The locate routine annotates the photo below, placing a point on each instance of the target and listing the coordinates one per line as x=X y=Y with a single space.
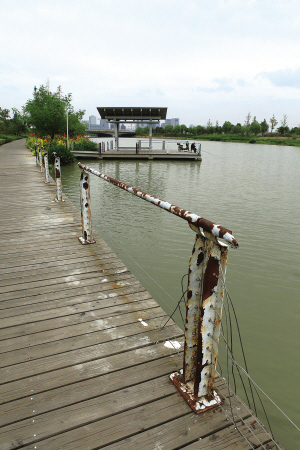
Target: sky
x=204 y=60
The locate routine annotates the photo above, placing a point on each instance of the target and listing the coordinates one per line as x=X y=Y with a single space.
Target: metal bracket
x=197 y=404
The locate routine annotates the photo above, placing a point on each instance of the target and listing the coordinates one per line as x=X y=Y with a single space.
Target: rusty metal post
x=46 y=167
x=41 y=159
x=203 y=320
x=85 y=200
x=99 y=148
x=36 y=154
x=57 y=178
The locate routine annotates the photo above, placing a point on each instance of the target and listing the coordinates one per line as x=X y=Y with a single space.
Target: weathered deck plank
x=84 y=362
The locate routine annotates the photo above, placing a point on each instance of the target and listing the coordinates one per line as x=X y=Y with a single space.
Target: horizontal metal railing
x=209 y=227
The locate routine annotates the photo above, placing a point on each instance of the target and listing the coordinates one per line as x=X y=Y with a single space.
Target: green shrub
x=9 y=138
x=66 y=157
x=85 y=145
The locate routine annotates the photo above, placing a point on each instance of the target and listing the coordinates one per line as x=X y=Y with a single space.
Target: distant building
x=144 y=124
x=92 y=121
x=104 y=125
x=174 y=122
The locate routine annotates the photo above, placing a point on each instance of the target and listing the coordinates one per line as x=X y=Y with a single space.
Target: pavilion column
x=116 y=135
x=150 y=135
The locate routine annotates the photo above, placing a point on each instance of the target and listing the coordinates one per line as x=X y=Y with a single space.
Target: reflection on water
x=252 y=190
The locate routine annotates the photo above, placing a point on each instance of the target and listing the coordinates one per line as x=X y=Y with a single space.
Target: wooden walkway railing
x=84 y=363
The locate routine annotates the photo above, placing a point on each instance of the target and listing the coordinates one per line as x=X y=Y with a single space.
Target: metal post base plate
x=84 y=242
x=197 y=404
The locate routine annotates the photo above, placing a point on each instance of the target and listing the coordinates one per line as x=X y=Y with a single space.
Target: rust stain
x=210 y=277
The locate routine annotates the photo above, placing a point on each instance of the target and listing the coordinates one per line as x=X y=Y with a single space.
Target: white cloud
x=201 y=59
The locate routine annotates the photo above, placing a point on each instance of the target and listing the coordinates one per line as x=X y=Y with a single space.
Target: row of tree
x=46 y=114
x=250 y=127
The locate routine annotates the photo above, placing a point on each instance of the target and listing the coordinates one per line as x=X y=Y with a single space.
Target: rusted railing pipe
x=46 y=167
x=57 y=178
x=215 y=230
x=85 y=200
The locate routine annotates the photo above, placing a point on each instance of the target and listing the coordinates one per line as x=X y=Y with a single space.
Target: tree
x=227 y=126
x=255 y=127
x=183 y=129
x=237 y=129
x=169 y=129
x=47 y=113
x=264 y=126
x=4 y=120
x=273 y=123
x=177 y=130
x=283 y=129
x=247 y=124
x=218 y=129
x=199 y=130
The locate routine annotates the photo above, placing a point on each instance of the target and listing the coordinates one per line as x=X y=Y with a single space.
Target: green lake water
x=254 y=191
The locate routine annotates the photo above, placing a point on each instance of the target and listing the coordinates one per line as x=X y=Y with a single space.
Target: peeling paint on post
x=202 y=328
x=36 y=154
x=57 y=178
x=41 y=159
x=85 y=201
x=46 y=167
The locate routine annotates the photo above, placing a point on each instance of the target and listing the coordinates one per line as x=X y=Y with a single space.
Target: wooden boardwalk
x=84 y=363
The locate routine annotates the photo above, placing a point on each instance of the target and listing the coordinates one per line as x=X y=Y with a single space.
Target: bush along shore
x=268 y=140
x=5 y=138
x=58 y=145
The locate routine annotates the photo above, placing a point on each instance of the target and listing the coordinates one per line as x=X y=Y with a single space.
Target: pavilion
x=132 y=115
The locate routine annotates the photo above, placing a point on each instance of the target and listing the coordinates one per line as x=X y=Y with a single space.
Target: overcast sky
x=203 y=59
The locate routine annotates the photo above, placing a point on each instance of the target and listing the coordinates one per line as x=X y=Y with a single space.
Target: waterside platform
x=130 y=153
x=84 y=361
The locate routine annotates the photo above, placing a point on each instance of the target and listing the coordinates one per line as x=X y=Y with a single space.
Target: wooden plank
x=111 y=297
x=68 y=376
x=140 y=407
x=69 y=344
x=44 y=275
x=68 y=294
x=93 y=352
x=79 y=280
x=99 y=309
x=54 y=399
x=236 y=437
x=54 y=422
x=90 y=320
